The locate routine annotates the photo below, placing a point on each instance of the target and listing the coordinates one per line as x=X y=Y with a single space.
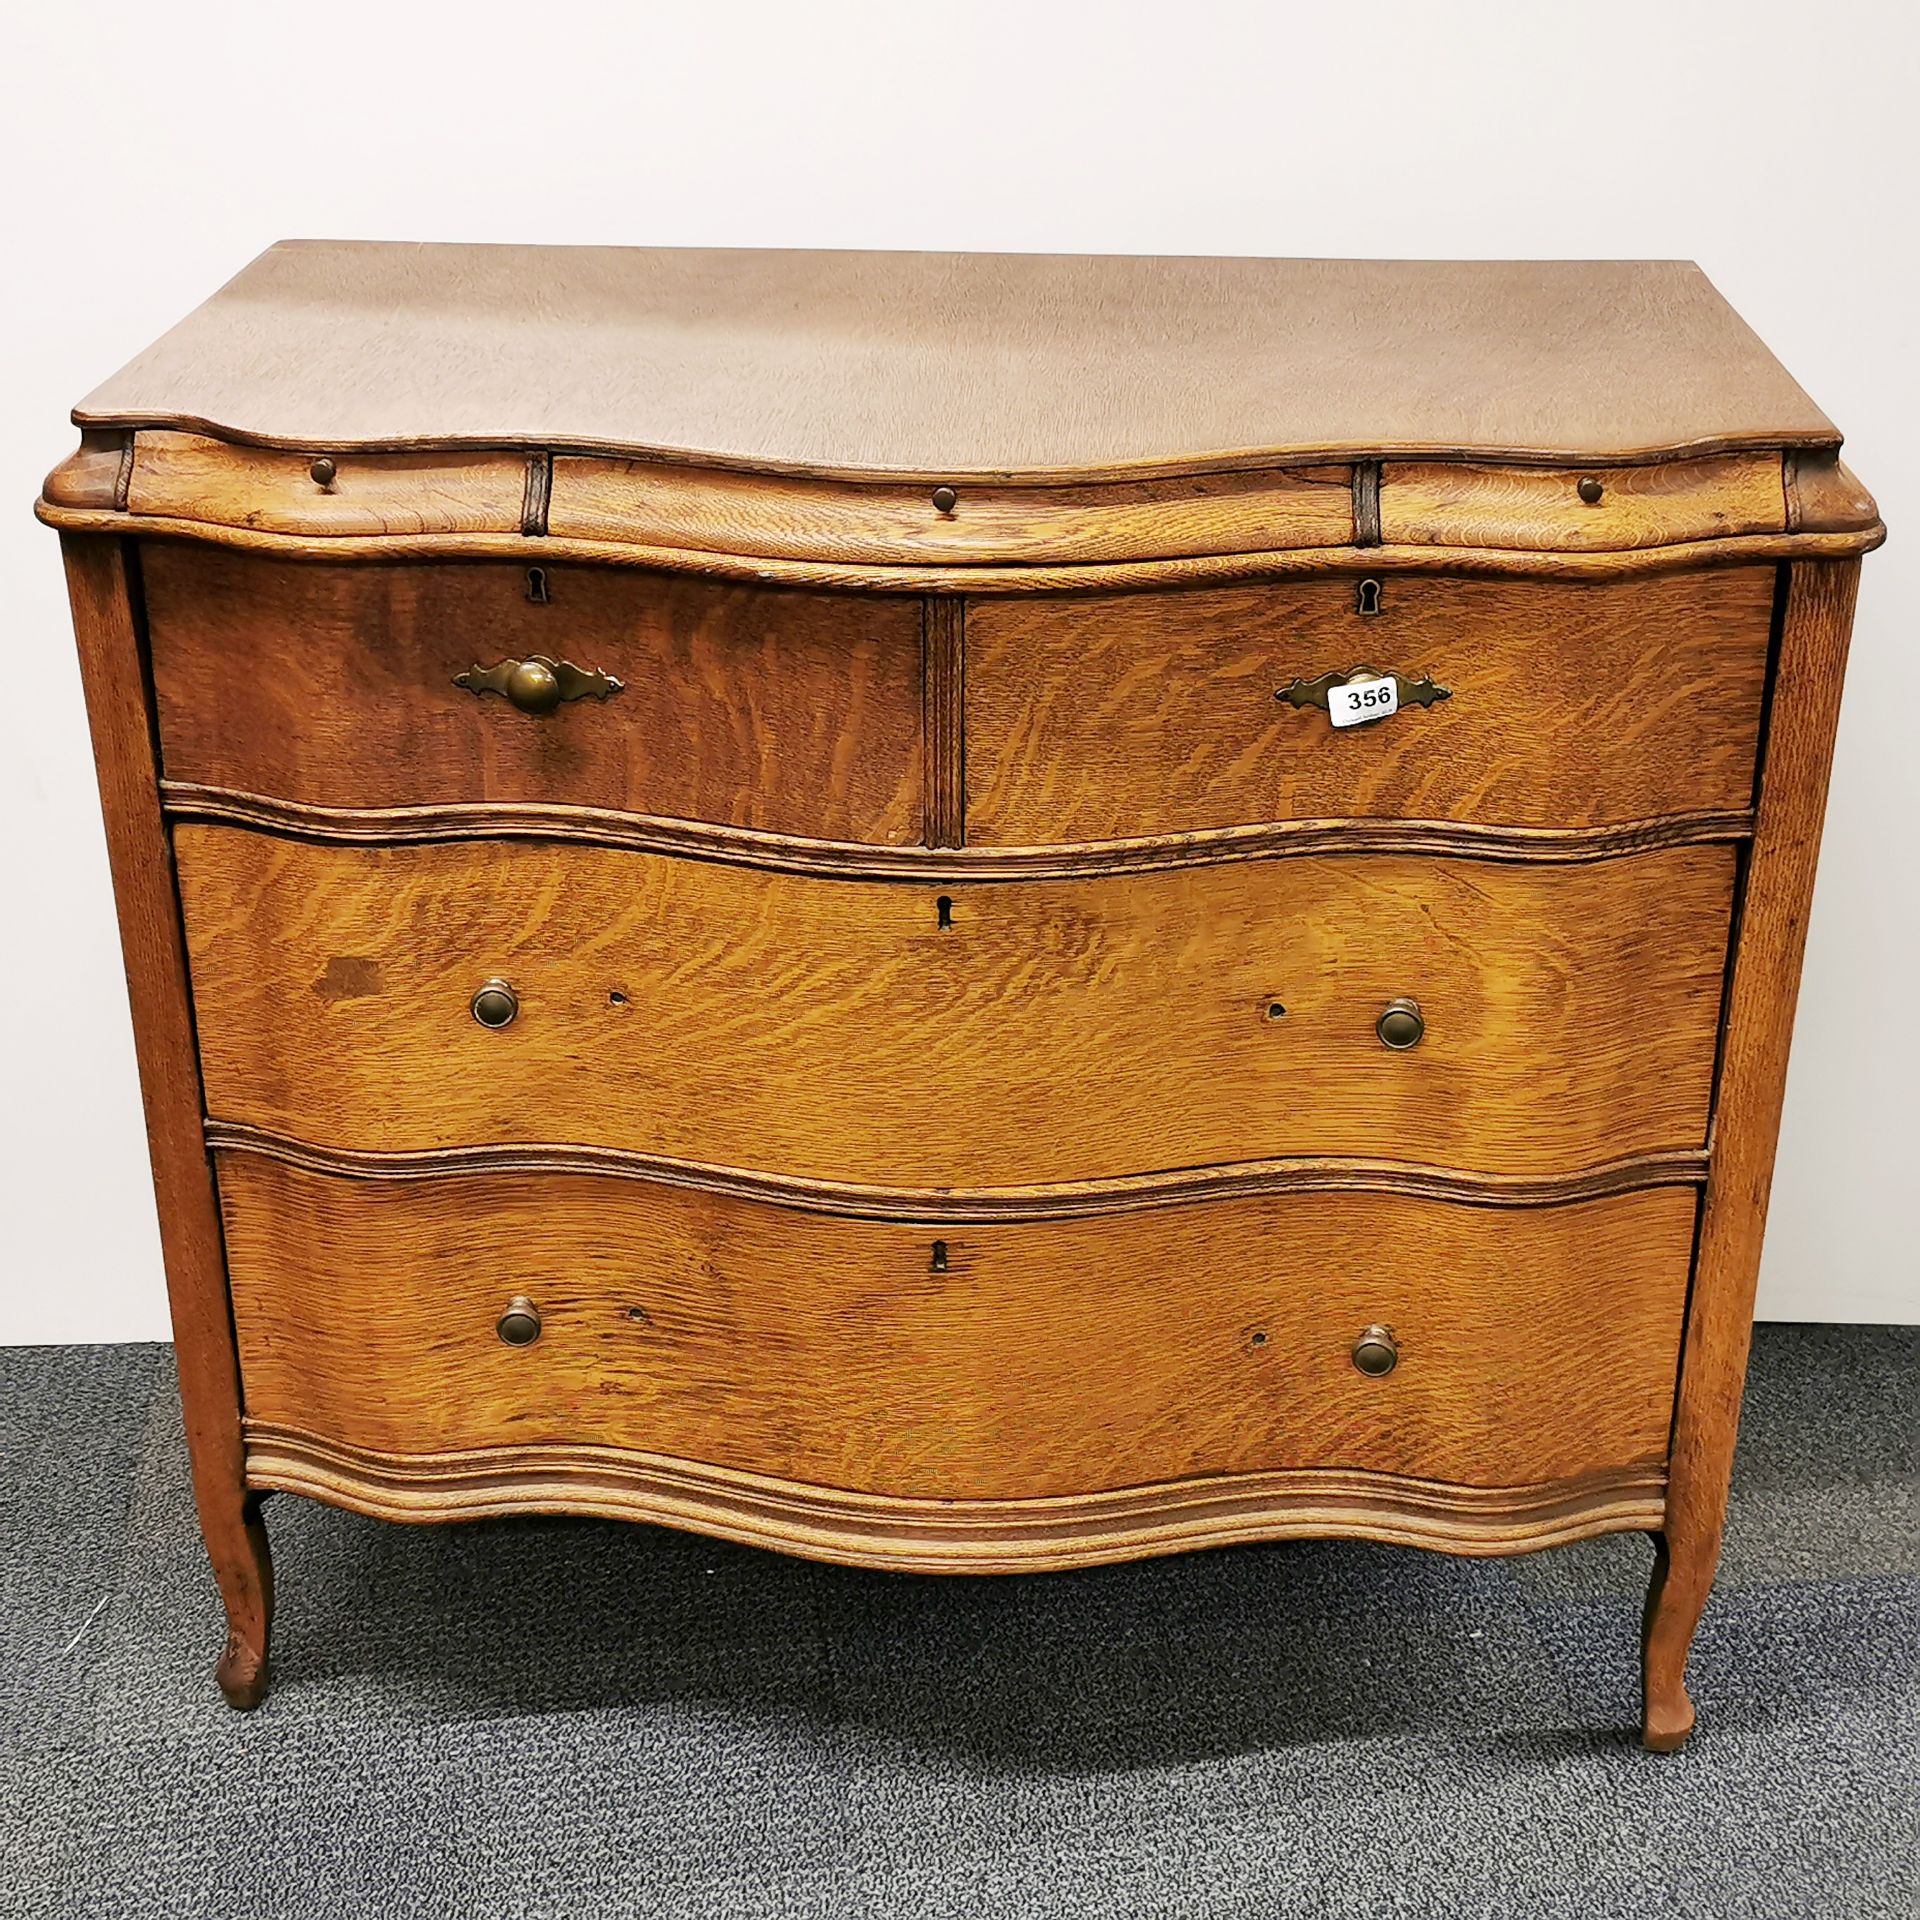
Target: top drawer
x=1569 y=704
x=333 y=685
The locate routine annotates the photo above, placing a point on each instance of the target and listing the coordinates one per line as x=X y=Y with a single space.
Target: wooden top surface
x=949 y=365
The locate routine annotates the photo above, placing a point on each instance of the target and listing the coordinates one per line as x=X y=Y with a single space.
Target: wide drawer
x=1049 y=1357
x=1567 y=704
x=334 y=685
x=1002 y=1033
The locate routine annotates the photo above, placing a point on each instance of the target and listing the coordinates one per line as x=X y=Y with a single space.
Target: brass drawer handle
x=1401 y=1025
x=538 y=683
x=1363 y=707
x=519 y=1326
x=1376 y=1353
x=495 y=1004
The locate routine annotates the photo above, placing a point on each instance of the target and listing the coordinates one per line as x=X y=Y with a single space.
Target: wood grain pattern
x=1519 y=563
x=407 y=493
x=1048 y=1359
x=944 y=651
x=114 y=675
x=953 y=1536
x=935 y=366
x=870 y=524
x=763 y=708
x=365 y=826
x=1765 y=985
x=1573 y=705
x=1054 y=1031
x=1466 y=504
x=1059 y=1200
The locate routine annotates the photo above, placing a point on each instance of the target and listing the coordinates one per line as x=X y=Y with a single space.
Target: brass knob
x=1376 y=1353
x=1591 y=490
x=945 y=499
x=495 y=1004
x=519 y=1326
x=533 y=686
x=1401 y=1025
x=322 y=472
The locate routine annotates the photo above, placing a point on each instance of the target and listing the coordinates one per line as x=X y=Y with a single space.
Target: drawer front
x=333 y=685
x=1053 y=1357
x=1571 y=704
x=1462 y=503
x=1049 y=1031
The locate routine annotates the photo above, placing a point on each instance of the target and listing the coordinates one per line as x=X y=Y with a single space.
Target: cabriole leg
x=243 y=1566
x=1682 y=1579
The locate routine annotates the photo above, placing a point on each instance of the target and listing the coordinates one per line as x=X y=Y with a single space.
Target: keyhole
x=537 y=586
x=1369 y=596
x=944 y=907
x=938 y=1264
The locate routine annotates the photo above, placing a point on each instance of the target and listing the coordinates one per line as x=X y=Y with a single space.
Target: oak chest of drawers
x=964 y=913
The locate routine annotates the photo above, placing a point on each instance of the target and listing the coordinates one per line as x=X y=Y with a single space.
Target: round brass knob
x=519 y=1326
x=945 y=499
x=1591 y=490
x=1376 y=1353
x=322 y=472
x=533 y=686
x=495 y=1004
x=1401 y=1025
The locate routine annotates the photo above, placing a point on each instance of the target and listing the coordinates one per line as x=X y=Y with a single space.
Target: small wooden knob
x=1376 y=1353
x=945 y=499
x=1401 y=1025
x=1591 y=491
x=322 y=471
x=495 y=1004
x=519 y=1326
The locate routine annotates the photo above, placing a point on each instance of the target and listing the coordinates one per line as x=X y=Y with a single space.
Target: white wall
x=150 y=150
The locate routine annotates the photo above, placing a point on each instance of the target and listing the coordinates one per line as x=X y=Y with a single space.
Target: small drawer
x=325 y=496
x=1527 y=703
x=1002 y=1033
x=521 y=1310
x=1459 y=503
x=975 y=523
x=339 y=685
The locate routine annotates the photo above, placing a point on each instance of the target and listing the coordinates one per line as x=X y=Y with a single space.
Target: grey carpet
x=575 y=1719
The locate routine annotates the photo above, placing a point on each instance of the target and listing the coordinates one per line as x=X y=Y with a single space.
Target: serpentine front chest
x=964 y=913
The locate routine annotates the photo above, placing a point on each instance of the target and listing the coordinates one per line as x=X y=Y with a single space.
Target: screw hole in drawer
x=616 y=998
x=1275 y=1011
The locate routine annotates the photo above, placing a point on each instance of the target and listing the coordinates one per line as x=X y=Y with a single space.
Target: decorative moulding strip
x=1110 y=576
x=380 y=826
x=1059 y=1201
x=960 y=1536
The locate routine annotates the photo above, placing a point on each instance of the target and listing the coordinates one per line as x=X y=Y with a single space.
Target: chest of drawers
x=960 y=913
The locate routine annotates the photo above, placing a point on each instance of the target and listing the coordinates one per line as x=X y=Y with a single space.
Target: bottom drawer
x=1535 y=1344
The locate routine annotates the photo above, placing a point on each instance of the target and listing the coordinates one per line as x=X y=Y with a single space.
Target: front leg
x=236 y=1540
x=1682 y=1578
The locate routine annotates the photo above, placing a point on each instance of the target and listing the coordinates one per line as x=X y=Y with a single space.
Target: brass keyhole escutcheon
x=495 y=1004
x=519 y=1326
x=1376 y=1353
x=1401 y=1025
